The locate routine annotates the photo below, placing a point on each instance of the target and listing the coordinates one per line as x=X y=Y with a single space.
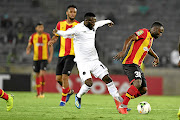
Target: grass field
x=94 y=107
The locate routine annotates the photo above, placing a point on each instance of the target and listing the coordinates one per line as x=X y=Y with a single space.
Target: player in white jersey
x=86 y=56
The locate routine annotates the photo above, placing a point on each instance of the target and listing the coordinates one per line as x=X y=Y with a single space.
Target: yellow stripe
x=132 y=97
x=45 y=47
x=128 y=95
x=2 y=93
x=39 y=85
x=129 y=53
x=72 y=48
x=63 y=94
x=35 y=41
x=140 y=51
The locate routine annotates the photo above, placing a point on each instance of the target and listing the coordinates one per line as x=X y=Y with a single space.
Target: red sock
x=38 y=85
x=42 y=84
x=123 y=96
x=138 y=94
x=3 y=95
x=64 y=93
x=130 y=93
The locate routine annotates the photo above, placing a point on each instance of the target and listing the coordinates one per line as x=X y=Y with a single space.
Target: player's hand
x=49 y=60
x=155 y=62
x=28 y=51
x=54 y=31
x=111 y=24
x=51 y=42
x=119 y=56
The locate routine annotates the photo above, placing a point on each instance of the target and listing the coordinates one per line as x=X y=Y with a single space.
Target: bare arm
x=156 y=58
x=28 y=48
x=127 y=43
x=51 y=51
x=53 y=40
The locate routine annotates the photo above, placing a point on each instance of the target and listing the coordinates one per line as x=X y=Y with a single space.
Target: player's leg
x=36 y=68
x=59 y=69
x=9 y=99
x=66 y=91
x=85 y=75
x=43 y=68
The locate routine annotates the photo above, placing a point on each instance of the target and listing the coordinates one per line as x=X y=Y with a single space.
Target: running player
x=9 y=99
x=86 y=55
x=66 y=54
x=39 y=41
x=141 y=42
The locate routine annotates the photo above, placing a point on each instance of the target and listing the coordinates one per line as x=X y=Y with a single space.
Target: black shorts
x=134 y=72
x=65 y=65
x=39 y=65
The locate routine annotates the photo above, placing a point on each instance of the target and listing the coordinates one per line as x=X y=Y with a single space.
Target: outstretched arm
x=103 y=22
x=156 y=58
x=127 y=43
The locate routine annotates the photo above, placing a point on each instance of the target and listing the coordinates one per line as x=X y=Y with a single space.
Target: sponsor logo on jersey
x=139 y=32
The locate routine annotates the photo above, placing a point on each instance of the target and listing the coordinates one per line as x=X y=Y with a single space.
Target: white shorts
x=94 y=67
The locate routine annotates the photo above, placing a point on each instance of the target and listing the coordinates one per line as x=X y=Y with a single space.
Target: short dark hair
x=39 y=23
x=89 y=14
x=71 y=6
x=157 y=24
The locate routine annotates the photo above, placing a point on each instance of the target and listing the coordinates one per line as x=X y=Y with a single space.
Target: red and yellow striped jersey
x=66 y=44
x=40 y=44
x=139 y=48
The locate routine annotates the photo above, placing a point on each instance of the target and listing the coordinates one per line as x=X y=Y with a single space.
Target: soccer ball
x=144 y=107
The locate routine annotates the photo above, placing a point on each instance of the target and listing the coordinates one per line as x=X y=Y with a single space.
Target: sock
x=38 y=85
x=65 y=91
x=130 y=93
x=42 y=84
x=123 y=96
x=135 y=96
x=84 y=89
x=112 y=89
x=3 y=95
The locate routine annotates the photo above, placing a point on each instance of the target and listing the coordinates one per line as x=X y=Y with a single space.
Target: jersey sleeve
x=58 y=27
x=31 y=39
x=101 y=23
x=69 y=33
x=141 y=34
x=48 y=37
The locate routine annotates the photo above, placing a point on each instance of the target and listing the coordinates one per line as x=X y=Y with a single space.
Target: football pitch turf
x=94 y=107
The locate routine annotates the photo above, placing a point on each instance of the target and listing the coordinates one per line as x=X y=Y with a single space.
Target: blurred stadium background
x=18 y=19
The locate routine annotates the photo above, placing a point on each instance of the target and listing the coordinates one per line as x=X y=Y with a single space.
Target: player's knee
x=137 y=83
x=107 y=79
x=144 y=90
x=58 y=78
x=89 y=82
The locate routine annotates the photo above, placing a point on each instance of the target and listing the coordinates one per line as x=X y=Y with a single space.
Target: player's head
x=71 y=12
x=39 y=27
x=157 y=29
x=89 y=20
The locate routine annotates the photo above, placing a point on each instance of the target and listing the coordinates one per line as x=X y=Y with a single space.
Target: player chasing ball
x=66 y=54
x=86 y=55
x=141 y=42
x=39 y=41
x=9 y=99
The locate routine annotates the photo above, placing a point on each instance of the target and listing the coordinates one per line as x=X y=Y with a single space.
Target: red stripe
x=144 y=54
x=40 y=48
x=136 y=46
x=67 y=43
x=132 y=81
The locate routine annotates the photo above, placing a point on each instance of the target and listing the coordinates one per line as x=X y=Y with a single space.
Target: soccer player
x=179 y=53
x=66 y=54
x=86 y=55
x=9 y=99
x=141 y=42
x=39 y=41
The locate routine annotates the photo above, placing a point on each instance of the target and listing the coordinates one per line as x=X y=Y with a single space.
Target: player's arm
x=30 y=43
x=103 y=22
x=53 y=40
x=156 y=58
x=66 y=34
x=51 y=51
x=127 y=43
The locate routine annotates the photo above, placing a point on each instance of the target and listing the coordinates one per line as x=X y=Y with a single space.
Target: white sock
x=84 y=89
x=112 y=89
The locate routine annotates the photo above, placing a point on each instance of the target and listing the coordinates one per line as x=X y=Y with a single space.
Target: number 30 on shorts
x=137 y=74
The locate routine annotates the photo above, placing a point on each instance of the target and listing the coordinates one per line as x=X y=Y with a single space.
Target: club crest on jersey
x=139 y=32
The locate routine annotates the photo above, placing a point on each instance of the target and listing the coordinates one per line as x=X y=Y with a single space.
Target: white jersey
x=84 y=40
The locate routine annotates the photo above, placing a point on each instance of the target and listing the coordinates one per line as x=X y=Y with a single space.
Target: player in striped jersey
x=66 y=54
x=141 y=42
x=39 y=41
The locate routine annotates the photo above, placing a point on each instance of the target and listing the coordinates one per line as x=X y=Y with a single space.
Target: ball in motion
x=144 y=107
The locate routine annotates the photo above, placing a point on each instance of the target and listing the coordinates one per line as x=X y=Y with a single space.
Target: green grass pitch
x=94 y=107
